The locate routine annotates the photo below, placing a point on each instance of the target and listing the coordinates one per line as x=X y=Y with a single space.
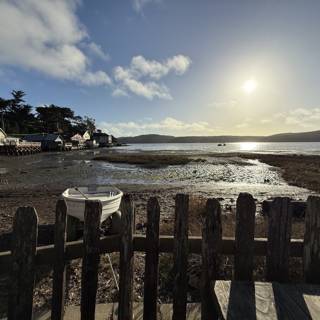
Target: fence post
x=126 y=259
x=59 y=267
x=24 y=244
x=151 y=260
x=211 y=241
x=72 y=228
x=244 y=238
x=180 y=284
x=311 y=254
x=91 y=258
x=279 y=235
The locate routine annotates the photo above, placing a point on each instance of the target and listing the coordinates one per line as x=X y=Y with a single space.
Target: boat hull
x=110 y=198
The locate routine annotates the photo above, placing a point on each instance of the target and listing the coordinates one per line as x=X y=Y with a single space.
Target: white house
x=5 y=140
x=86 y=136
x=3 y=136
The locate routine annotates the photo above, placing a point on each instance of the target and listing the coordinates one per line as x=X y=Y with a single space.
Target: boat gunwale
x=94 y=195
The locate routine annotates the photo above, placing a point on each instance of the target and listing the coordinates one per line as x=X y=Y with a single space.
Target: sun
x=249 y=86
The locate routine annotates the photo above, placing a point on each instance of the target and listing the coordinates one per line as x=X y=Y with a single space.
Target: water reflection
x=248 y=146
x=263 y=147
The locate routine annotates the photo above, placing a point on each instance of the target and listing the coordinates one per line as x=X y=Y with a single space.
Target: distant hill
x=147 y=138
x=313 y=136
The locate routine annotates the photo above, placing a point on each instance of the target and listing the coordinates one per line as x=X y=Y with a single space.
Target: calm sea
x=257 y=147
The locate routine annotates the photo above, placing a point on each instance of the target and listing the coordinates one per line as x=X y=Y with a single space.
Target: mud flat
x=298 y=170
x=145 y=159
x=38 y=181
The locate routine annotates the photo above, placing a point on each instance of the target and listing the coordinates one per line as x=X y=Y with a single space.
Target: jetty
x=34 y=143
x=20 y=148
x=239 y=297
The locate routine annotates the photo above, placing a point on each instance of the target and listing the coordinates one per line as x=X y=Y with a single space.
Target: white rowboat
x=109 y=196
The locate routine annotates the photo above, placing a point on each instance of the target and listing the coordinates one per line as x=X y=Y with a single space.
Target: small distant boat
x=109 y=196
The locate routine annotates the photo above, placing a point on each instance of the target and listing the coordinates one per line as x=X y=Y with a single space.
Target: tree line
x=18 y=117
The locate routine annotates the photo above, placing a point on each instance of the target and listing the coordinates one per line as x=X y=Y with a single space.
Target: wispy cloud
x=265 y=121
x=297 y=118
x=46 y=36
x=141 y=77
x=97 y=51
x=223 y=104
x=119 y=93
x=168 y=125
x=245 y=123
x=138 y=5
x=303 y=117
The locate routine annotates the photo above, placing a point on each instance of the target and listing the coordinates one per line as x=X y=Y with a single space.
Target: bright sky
x=181 y=67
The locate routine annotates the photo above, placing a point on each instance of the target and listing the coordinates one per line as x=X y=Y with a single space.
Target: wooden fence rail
x=278 y=247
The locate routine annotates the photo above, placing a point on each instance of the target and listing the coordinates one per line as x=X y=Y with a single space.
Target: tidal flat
x=38 y=181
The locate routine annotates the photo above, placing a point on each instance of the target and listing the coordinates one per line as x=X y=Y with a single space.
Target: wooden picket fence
x=25 y=257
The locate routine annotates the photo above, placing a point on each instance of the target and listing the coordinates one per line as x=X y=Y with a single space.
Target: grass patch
x=298 y=170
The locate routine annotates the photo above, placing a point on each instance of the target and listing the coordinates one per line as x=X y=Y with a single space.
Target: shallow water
x=219 y=177
x=226 y=179
x=258 y=147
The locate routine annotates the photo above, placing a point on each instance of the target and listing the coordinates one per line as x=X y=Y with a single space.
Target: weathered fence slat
x=244 y=237
x=109 y=244
x=126 y=259
x=279 y=234
x=24 y=243
x=151 y=260
x=91 y=258
x=211 y=241
x=59 y=267
x=311 y=257
x=180 y=257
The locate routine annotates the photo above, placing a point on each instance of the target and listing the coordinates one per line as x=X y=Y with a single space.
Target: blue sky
x=180 y=67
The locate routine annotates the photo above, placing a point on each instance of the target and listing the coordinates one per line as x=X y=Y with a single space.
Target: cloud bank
x=168 y=126
x=46 y=36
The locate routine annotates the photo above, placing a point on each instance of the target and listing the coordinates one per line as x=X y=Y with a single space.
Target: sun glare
x=248 y=146
x=249 y=86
